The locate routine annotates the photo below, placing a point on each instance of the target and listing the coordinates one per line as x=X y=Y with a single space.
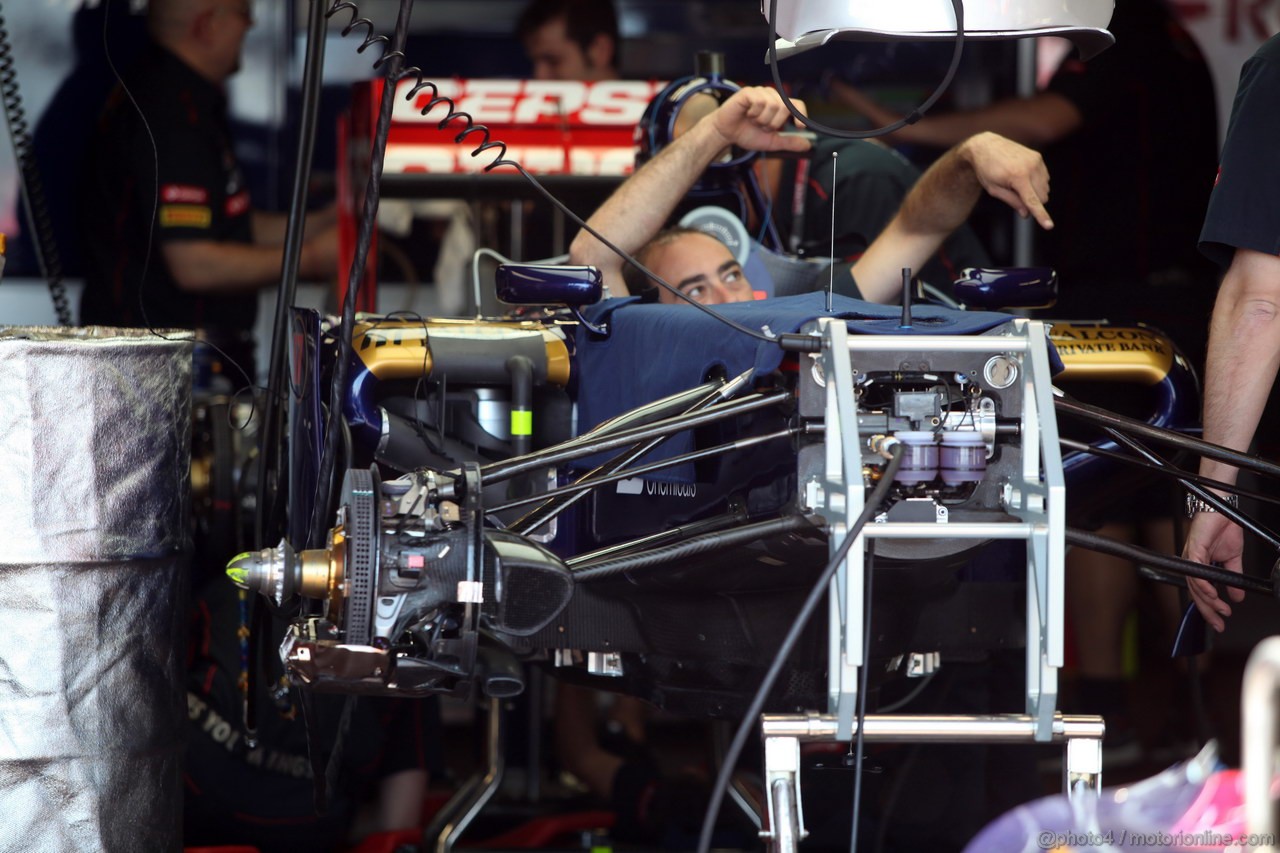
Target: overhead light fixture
x=805 y=24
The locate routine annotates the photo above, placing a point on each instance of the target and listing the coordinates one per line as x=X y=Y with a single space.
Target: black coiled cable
x=394 y=55
x=33 y=198
x=487 y=143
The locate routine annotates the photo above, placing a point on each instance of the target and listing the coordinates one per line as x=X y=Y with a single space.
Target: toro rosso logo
x=614 y=103
x=549 y=126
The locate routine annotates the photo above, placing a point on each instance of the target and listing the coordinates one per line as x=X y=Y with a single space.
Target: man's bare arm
x=1243 y=355
x=637 y=210
x=209 y=266
x=1037 y=120
x=942 y=200
x=270 y=228
x=1242 y=362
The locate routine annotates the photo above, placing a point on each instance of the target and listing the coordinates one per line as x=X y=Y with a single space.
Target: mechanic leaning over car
x=753 y=118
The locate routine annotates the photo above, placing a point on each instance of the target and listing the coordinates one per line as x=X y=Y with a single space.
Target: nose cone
x=241 y=567
x=271 y=572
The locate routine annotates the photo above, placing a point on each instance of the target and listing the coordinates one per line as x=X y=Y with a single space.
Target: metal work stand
x=1260 y=709
x=1081 y=736
x=461 y=809
x=1032 y=494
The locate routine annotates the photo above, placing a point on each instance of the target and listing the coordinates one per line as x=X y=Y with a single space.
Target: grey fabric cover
x=94 y=474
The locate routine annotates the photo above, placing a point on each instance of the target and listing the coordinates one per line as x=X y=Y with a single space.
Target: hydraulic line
x=544 y=513
x=691 y=548
x=662 y=537
x=499 y=471
x=666 y=407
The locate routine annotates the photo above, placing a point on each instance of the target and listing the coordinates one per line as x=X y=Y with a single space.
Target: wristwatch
x=1196 y=504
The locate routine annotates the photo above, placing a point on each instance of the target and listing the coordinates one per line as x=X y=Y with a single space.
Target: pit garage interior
x=452 y=544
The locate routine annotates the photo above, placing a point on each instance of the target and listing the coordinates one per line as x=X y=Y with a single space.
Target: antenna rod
x=906 y=299
x=831 y=270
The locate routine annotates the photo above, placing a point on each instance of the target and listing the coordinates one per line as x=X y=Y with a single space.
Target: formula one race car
x=657 y=519
x=658 y=498
x=668 y=539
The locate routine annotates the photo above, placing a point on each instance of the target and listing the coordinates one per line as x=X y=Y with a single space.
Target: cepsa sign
x=550 y=126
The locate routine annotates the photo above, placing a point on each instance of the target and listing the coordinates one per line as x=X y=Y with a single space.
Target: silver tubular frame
x=1035 y=497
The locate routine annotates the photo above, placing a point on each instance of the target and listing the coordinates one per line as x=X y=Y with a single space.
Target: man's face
x=230 y=22
x=555 y=56
x=700 y=267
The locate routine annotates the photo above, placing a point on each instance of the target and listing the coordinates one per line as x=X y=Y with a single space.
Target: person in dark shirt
x=870 y=182
x=170 y=235
x=1130 y=138
x=64 y=133
x=1242 y=233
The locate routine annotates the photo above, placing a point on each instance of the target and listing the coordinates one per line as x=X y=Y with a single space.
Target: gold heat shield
x=1101 y=352
x=402 y=349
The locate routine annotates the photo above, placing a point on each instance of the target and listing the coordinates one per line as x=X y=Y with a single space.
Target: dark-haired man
x=570 y=39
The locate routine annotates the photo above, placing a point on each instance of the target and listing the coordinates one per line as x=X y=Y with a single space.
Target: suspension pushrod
x=647 y=468
x=505 y=470
x=1164 y=436
x=1186 y=568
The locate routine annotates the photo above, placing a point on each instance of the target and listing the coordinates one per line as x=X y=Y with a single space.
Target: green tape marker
x=521 y=422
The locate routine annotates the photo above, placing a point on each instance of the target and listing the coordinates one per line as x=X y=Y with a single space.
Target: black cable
x=859 y=735
x=910 y=118
x=34 y=202
x=1164 y=436
x=1186 y=568
x=266 y=524
x=749 y=721
x=394 y=59
x=703 y=544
